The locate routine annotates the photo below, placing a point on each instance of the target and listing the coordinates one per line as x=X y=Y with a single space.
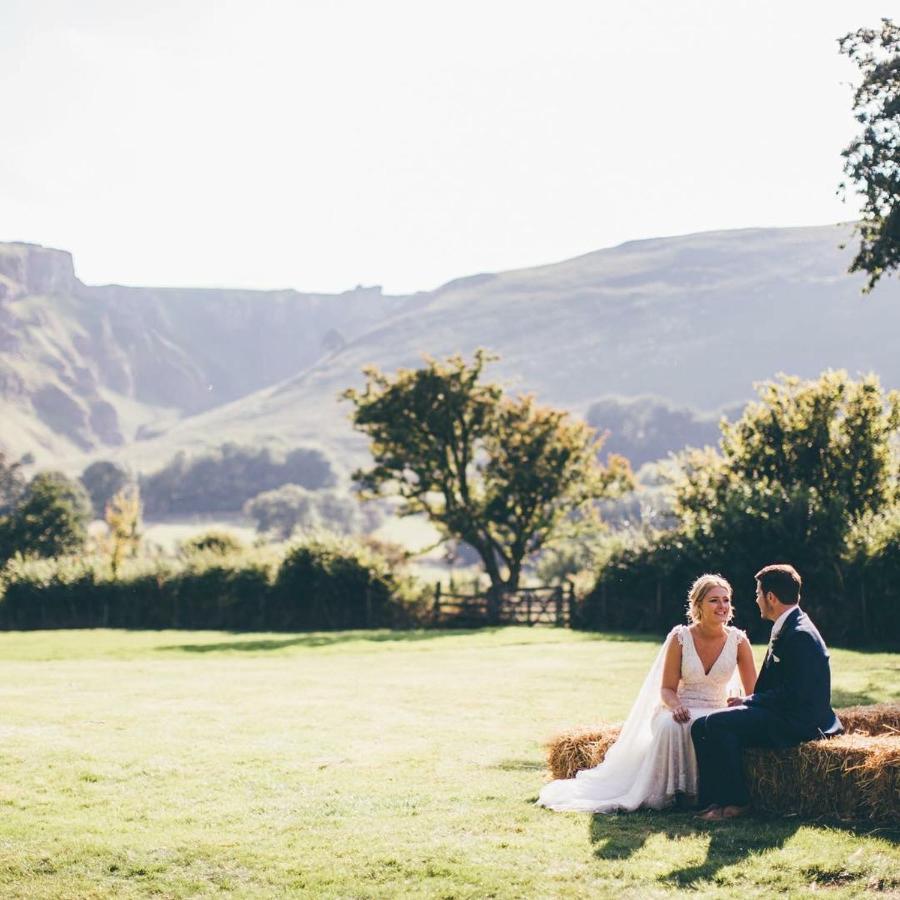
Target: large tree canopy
x=49 y=520
x=797 y=471
x=872 y=159
x=502 y=474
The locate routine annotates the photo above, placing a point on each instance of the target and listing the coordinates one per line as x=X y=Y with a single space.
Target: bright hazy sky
x=320 y=144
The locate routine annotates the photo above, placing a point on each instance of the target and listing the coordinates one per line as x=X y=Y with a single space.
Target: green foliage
x=103 y=480
x=221 y=543
x=223 y=480
x=331 y=582
x=872 y=159
x=798 y=476
x=291 y=507
x=803 y=464
x=320 y=584
x=503 y=475
x=50 y=518
x=122 y=514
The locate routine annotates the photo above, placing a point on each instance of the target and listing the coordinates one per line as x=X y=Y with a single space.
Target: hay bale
x=579 y=748
x=879 y=718
x=853 y=776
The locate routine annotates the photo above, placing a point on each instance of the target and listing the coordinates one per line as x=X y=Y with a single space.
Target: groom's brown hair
x=782 y=580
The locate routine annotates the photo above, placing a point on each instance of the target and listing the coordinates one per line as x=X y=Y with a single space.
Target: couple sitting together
x=683 y=738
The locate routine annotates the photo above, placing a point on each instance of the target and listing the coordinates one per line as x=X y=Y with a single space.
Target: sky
x=324 y=144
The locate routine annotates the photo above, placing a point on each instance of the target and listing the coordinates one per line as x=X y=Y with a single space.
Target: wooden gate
x=545 y=605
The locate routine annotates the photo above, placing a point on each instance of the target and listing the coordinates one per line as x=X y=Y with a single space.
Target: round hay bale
x=853 y=776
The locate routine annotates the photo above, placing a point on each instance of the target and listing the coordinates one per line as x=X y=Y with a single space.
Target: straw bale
x=580 y=748
x=879 y=718
x=853 y=776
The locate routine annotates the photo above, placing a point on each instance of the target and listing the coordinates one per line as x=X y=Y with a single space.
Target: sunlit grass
x=370 y=764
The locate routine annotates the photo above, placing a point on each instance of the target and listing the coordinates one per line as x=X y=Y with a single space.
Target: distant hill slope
x=86 y=369
x=694 y=319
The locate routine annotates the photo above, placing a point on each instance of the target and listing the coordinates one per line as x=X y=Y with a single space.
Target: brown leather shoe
x=734 y=812
x=713 y=814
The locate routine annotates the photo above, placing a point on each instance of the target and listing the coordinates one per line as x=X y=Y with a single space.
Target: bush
x=328 y=582
x=322 y=584
x=219 y=543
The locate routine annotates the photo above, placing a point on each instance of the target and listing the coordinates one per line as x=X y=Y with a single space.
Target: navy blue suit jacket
x=795 y=681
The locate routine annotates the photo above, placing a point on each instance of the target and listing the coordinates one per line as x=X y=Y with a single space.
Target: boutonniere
x=776 y=658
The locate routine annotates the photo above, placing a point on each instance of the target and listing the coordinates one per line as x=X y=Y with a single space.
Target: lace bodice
x=706 y=689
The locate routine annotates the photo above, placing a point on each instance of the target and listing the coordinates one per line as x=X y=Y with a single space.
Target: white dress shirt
x=779 y=622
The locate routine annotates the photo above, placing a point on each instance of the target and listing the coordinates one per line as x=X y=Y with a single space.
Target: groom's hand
x=736 y=701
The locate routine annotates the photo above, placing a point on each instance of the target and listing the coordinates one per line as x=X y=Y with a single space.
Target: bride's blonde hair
x=699 y=589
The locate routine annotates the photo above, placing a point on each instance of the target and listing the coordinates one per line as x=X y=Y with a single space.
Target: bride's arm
x=746 y=666
x=671 y=676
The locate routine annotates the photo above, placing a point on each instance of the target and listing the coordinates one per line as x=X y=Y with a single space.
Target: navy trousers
x=719 y=739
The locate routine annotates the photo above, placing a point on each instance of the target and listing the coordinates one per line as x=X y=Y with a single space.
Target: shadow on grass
x=841 y=698
x=620 y=837
x=322 y=639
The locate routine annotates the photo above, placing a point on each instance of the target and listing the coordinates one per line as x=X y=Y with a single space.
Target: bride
x=653 y=763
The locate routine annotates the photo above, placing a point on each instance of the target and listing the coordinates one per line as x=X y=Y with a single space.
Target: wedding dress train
x=653 y=759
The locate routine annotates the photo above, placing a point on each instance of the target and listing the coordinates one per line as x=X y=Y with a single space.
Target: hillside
x=138 y=373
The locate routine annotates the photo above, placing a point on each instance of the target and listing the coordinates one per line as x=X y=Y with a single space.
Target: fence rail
x=545 y=605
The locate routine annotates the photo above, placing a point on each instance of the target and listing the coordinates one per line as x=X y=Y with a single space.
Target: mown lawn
x=174 y=764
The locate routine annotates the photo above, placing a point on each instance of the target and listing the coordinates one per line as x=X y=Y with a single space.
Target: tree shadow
x=851 y=698
x=621 y=836
x=322 y=639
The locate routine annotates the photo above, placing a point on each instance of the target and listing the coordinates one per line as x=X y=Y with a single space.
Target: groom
x=791 y=702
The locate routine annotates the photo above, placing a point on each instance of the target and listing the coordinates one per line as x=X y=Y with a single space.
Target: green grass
x=175 y=764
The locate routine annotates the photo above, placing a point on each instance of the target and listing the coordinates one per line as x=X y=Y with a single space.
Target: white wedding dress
x=653 y=759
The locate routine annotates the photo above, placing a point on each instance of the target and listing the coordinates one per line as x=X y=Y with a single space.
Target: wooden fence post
x=864 y=611
x=436 y=612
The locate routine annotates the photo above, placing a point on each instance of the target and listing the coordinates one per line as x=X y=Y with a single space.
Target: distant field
x=379 y=764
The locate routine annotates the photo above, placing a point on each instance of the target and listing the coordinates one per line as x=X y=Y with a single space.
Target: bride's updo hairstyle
x=699 y=589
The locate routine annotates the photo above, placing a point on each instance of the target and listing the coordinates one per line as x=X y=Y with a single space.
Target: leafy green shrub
x=333 y=583
x=219 y=543
x=324 y=583
x=808 y=475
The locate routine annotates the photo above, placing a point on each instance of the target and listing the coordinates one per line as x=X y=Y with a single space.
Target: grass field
x=175 y=764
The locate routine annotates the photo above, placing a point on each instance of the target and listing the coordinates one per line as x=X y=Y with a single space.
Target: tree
x=292 y=507
x=123 y=519
x=872 y=159
x=502 y=474
x=50 y=519
x=797 y=472
x=103 y=480
x=12 y=483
